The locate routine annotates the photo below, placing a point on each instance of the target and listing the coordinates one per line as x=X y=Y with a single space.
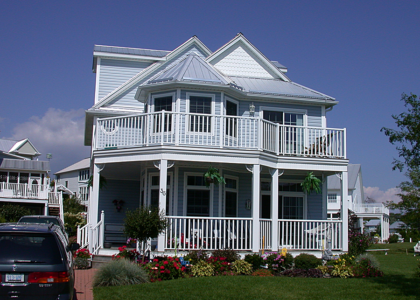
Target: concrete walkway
x=83 y=284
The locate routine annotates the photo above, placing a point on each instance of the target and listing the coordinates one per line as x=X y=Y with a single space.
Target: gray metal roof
x=334 y=182
x=80 y=165
x=6 y=145
x=130 y=51
x=277 y=87
x=27 y=165
x=192 y=68
x=278 y=65
x=397 y=225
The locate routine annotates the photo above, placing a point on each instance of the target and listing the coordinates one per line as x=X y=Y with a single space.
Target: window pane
x=290 y=207
x=154 y=199
x=198 y=203
x=230 y=204
x=13 y=177
x=230 y=183
x=196 y=180
x=3 y=176
x=200 y=105
x=164 y=103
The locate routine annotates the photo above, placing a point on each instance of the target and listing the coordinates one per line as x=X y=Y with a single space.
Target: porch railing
x=371 y=208
x=23 y=190
x=169 y=128
x=83 y=235
x=188 y=233
x=310 y=235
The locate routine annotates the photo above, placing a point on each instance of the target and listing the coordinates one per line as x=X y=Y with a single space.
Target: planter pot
x=82 y=263
x=107 y=245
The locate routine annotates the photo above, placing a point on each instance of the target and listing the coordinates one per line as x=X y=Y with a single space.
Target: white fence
x=169 y=128
x=371 y=208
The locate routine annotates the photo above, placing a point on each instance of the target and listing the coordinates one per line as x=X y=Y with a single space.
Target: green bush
x=366 y=265
x=358 y=243
x=255 y=260
x=2 y=219
x=202 y=269
x=373 y=261
x=120 y=272
x=288 y=261
x=393 y=239
x=72 y=220
x=307 y=261
x=72 y=205
x=242 y=267
x=194 y=256
x=13 y=212
x=414 y=234
x=229 y=254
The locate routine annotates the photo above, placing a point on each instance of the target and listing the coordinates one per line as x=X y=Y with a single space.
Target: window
x=201 y=106
x=162 y=123
x=332 y=198
x=3 y=176
x=154 y=193
x=83 y=175
x=198 y=197
x=290 y=207
x=24 y=178
x=231 y=198
x=231 y=126
x=84 y=193
x=13 y=177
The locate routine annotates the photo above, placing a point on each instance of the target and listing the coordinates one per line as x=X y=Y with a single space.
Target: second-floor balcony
x=24 y=190
x=371 y=208
x=215 y=131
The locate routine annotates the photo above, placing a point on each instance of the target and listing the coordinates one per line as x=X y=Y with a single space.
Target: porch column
x=361 y=225
x=382 y=228
x=162 y=198
x=324 y=196
x=345 y=209
x=275 y=208
x=256 y=208
x=94 y=196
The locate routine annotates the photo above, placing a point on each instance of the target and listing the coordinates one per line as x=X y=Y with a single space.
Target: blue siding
x=314 y=206
x=128 y=191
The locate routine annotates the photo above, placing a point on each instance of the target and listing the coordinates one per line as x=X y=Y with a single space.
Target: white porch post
x=94 y=196
x=324 y=196
x=256 y=208
x=162 y=198
x=275 y=208
x=382 y=228
x=345 y=209
x=361 y=225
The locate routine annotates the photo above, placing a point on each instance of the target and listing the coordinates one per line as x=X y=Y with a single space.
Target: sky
x=363 y=53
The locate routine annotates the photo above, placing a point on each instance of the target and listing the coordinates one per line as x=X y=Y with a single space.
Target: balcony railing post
x=277 y=139
x=222 y=121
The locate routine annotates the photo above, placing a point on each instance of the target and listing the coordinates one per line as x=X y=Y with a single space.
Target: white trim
x=226 y=99
x=211 y=115
x=176 y=187
x=119 y=56
x=226 y=189
x=323 y=117
x=98 y=71
x=163 y=95
x=196 y=187
x=304 y=112
x=168 y=186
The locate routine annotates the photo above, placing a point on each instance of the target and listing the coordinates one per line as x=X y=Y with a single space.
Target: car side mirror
x=73 y=247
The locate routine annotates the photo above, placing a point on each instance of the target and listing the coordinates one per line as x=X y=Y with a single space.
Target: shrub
x=229 y=254
x=314 y=273
x=120 y=272
x=342 y=268
x=255 y=260
x=414 y=234
x=242 y=267
x=393 y=239
x=358 y=243
x=288 y=261
x=194 y=256
x=165 y=269
x=202 y=269
x=13 y=212
x=366 y=265
x=2 y=219
x=72 y=205
x=72 y=220
x=262 y=273
x=272 y=260
x=306 y=261
x=220 y=265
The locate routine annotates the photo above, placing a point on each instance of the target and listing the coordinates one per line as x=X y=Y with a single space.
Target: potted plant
x=212 y=175
x=311 y=183
x=82 y=259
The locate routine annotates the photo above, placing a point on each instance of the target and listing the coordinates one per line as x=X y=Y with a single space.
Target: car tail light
x=48 y=277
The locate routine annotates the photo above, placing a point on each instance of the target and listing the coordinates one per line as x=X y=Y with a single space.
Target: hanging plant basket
x=311 y=183
x=212 y=175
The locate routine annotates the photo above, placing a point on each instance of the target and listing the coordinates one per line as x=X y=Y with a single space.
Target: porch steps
x=54 y=211
x=99 y=260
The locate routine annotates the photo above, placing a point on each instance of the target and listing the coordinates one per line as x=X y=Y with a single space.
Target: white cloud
x=381 y=196
x=58 y=132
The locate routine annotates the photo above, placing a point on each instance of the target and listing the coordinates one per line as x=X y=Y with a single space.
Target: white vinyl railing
x=83 y=235
x=169 y=128
x=92 y=237
x=371 y=208
x=24 y=190
x=265 y=234
x=188 y=233
x=310 y=234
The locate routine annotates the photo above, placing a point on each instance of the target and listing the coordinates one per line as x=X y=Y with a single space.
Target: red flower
x=162 y=272
x=157 y=265
x=165 y=262
x=177 y=267
x=155 y=260
x=162 y=267
x=183 y=269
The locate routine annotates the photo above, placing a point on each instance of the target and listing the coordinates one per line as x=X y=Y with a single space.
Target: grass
x=398 y=283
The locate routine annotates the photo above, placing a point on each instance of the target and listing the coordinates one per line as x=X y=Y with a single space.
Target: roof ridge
x=120 y=47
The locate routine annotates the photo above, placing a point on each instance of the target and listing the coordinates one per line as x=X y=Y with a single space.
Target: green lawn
x=398 y=283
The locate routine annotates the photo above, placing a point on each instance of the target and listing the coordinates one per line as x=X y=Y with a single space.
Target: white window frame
x=233 y=191
x=303 y=112
x=332 y=200
x=196 y=187
x=211 y=115
x=164 y=95
x=168 y=186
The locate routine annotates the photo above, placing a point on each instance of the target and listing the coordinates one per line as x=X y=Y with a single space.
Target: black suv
x=44 y=220
x=36 y=262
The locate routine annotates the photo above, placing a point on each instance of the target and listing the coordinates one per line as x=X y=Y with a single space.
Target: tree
x=407 y=141
x=407 y=138
x=144 y=223
x=13 y=212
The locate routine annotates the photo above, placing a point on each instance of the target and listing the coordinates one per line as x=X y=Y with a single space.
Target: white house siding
x=73 y=180
x=128 y=191
x=113 y=73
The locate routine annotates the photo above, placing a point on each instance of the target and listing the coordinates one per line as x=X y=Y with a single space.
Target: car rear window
x=39 y=220
x=29 y=248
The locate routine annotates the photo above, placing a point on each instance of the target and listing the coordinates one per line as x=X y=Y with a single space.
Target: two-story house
x=160 y=119
x=24 y=180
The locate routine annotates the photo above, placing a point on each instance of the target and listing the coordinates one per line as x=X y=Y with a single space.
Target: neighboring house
x=371 y=225
x=24 y=180
x=394 y=227
x=356 y=201
x=74 y=179
x=160 y=119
